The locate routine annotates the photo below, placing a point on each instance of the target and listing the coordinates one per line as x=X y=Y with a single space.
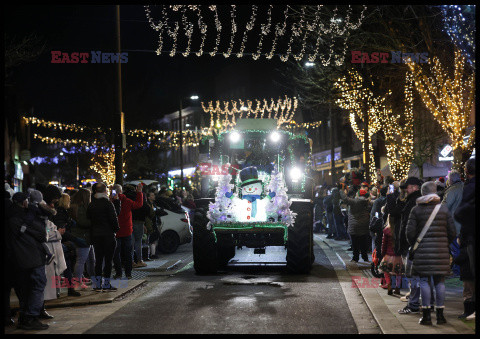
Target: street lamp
x=309 y=64
x=193 y=97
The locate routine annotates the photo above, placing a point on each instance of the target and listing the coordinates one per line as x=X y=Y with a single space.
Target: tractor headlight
x=234 y=137
x=275 y=136
x=296 y=174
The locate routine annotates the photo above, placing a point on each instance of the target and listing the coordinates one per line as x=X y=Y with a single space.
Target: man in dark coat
x=412 y=186
x=328 y=206
x=27 y=257
x=358 y=223
x=432 y=256
x=101 y=213
x=465 y=215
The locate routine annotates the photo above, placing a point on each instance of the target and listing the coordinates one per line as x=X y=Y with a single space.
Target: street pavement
x=254 y=294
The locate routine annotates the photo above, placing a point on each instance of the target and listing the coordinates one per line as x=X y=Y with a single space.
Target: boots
x=440 y=318
x=31 y=323
x=468 y=308
x=389 y=287
x=397 y=290
x=44 y=314
x=427 y=318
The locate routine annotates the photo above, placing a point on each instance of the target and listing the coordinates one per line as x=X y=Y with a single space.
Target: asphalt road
x=246 y=298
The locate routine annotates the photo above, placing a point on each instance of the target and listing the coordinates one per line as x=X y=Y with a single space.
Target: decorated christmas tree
x=279 y=208
x=220 y=210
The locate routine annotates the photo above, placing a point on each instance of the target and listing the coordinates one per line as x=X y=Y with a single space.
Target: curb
x=141 y=284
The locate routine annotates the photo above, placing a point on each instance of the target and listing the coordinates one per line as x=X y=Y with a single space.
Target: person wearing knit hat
x=36 y=196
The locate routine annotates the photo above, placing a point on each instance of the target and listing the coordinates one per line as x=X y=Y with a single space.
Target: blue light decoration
x=459 y=24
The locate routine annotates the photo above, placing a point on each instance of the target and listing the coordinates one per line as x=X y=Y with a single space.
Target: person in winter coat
x=358 y=223
x=319 y=209
x=432 y=256
x=104 y=221
x=63 y=220
x=24 y=237
x=85 y=254
x=124 y=250
x=465 y=215
x=377 y=211
x=341 y=232
x=139 y=229
x=153 y=223
x=409 y=192
x=451 y=198
x=328 y=206
x=468 y=279
x=391 y=264
x=453 y=195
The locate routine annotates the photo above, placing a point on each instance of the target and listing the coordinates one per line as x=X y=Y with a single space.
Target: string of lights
x=354 y=95
x=225 y=117
x=338 y=28
x=461 y=28
x=59 y=125
x=449 y=99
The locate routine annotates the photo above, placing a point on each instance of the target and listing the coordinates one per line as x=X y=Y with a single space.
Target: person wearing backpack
x=431 y=258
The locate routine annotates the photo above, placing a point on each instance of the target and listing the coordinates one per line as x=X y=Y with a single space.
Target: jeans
x=426 y=291
x=340 y=226
x=104 y=249
x=360 y=245
x=123 y=255
x=32 y=283
x=137 y=238
x=84 y=255
x=331 y=224
x=414 y=299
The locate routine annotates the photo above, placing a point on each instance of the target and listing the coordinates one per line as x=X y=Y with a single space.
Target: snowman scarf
x=253 y=199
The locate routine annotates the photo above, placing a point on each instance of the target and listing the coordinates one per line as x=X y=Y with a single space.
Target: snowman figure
x=251 y=207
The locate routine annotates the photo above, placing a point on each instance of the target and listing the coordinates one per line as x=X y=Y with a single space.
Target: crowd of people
x=418 y=233
x=74 y=239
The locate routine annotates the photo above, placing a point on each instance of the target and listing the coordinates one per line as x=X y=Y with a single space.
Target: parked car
x=175 y=229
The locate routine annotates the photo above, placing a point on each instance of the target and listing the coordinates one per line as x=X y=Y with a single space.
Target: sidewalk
x=385 y=307
x=88 y=296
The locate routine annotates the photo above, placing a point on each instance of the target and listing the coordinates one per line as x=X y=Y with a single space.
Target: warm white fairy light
x=300 y=28
x=449 y=99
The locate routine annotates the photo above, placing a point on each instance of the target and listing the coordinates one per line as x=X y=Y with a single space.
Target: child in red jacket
x=391 y=264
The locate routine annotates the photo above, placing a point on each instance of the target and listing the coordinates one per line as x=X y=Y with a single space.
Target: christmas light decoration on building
x=299 y=26
x=50 y=140
x=450 y=100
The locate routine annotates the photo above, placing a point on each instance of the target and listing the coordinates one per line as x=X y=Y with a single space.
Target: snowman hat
x=249 y=175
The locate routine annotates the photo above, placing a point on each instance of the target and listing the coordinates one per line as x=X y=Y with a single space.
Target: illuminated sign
x=446 y=153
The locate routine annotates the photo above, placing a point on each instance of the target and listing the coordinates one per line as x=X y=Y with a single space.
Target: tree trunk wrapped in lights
x=398 y=130
x=360 y=101
x=450 y=100
x=104 y=164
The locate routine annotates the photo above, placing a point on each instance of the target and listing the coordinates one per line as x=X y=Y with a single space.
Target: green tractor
x=255 y=165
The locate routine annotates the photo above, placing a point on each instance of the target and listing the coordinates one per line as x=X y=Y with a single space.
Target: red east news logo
x=207 y=168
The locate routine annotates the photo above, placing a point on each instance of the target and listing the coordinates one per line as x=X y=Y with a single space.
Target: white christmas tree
x=280 y=205
x=220 y=210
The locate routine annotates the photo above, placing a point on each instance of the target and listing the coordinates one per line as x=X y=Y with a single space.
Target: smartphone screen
x=114 y=192
x=391 y=188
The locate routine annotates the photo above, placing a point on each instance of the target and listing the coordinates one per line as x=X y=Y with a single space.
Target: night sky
x=85 y=93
